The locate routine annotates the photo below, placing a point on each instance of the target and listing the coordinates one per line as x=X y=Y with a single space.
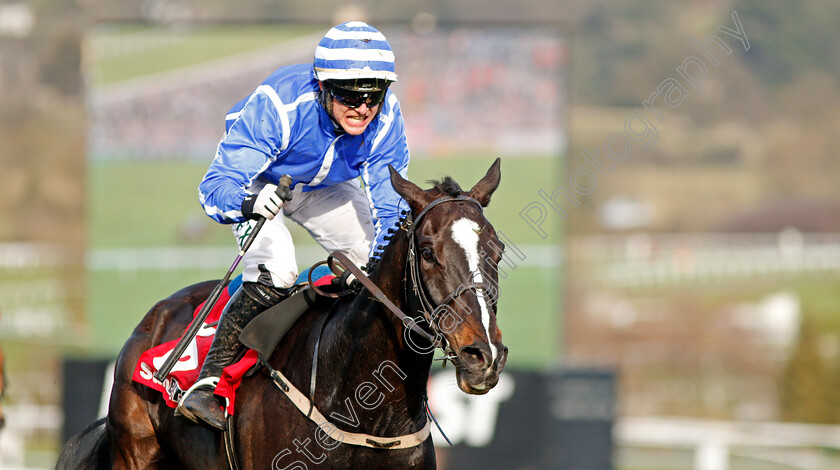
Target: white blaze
x=465 y=233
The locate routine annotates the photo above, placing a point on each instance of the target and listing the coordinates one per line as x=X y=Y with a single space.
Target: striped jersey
x=282 y=128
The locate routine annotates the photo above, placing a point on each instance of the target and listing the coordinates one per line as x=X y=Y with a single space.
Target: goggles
x=356 y=98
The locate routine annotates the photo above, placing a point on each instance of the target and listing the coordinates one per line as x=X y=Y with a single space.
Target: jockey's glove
x=266 y=203
x=348 y=281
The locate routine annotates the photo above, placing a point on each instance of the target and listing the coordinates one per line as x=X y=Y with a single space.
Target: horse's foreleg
x=134 y=444
x=131 y=431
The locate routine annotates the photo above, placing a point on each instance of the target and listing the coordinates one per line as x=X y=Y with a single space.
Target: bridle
x=430 y=312
x=412 y=266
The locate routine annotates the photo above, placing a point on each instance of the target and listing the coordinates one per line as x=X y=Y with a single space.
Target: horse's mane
x=447 y=186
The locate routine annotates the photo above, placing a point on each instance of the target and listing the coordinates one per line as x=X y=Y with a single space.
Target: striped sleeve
x=256 y=135
x=389 y=148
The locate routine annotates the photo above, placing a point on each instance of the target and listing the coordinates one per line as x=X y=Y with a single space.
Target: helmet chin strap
x=326 y=102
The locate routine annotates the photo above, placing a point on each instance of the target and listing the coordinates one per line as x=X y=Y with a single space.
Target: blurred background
x=671 y=290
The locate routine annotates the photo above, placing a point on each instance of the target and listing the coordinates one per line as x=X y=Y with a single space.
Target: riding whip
x=175 y=355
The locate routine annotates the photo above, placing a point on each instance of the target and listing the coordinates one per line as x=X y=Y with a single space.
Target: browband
x=411 y=224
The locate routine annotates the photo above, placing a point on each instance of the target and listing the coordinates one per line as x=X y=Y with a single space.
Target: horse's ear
x=416 y=197
x=485 y=187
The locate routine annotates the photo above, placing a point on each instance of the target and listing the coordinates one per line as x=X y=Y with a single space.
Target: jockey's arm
x=251 y=143
x=389 y=148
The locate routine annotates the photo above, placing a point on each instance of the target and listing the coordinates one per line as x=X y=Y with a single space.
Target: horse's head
x=453 y=264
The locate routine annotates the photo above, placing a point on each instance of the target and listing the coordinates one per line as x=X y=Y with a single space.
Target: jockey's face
x=354 y=121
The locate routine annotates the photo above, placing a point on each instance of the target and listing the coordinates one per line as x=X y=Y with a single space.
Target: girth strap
x=357 y=439
x=229 y=435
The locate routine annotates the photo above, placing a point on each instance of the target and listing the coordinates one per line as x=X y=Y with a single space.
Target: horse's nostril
x=502 y=359
x=474 y=357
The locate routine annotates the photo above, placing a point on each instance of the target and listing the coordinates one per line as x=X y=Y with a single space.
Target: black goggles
x=355 y=98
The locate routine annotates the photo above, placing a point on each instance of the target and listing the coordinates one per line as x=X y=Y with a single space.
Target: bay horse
x=372 y=368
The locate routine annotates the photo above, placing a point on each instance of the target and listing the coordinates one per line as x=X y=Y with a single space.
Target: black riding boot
x=200 y=403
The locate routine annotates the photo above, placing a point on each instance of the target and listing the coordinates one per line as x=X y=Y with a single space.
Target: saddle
x=260 y=337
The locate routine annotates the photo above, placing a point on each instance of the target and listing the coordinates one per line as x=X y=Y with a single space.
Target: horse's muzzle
x=478 y=368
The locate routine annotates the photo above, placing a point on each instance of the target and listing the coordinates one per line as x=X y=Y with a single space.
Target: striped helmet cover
x=354 y=50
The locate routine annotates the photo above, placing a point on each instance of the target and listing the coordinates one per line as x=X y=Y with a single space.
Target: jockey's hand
x=348 y=281
x=265 y=204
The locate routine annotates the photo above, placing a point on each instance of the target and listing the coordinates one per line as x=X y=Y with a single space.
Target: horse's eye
x=427 y=254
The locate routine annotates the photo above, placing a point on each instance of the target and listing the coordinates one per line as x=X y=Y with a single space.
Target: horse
x=440 y=266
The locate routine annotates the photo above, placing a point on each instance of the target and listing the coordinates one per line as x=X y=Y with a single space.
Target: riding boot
x=200 y=403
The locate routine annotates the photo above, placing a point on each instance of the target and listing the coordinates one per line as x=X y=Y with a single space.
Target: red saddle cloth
x=185 y=372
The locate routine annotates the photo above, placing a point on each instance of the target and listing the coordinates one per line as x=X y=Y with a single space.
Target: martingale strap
x=229 y=435
x=307 y=405
x=357 y=439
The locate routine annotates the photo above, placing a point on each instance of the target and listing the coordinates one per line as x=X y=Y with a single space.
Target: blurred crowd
x=175 y=116
x=493 y=89
x=467 y=89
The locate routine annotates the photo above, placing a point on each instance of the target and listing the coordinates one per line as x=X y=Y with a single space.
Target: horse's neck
x=390 y=276
x=373 y=360
x=390 y=269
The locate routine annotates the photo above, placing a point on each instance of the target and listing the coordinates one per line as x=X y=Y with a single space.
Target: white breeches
x=338 y=218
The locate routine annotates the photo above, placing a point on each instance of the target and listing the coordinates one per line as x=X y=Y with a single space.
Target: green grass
x=135 y=205
x=521 y=178
x=141 y=51
x=117 y=301
x=820 y=299
x=149 y=204
x=529 y=316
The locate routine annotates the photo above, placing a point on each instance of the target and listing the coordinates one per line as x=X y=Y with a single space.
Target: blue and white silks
x=282 y=128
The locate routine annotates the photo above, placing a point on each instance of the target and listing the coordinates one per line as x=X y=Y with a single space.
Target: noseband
x=430 y=312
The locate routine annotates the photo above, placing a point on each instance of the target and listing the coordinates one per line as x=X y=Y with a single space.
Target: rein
x=413 y=267
x=377 y=292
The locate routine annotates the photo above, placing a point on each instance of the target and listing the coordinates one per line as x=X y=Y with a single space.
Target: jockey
x=325 y=126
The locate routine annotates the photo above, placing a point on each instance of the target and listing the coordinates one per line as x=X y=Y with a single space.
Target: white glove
x=265 y=204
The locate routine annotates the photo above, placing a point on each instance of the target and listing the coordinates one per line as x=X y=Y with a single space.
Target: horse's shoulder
x=195 y=293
